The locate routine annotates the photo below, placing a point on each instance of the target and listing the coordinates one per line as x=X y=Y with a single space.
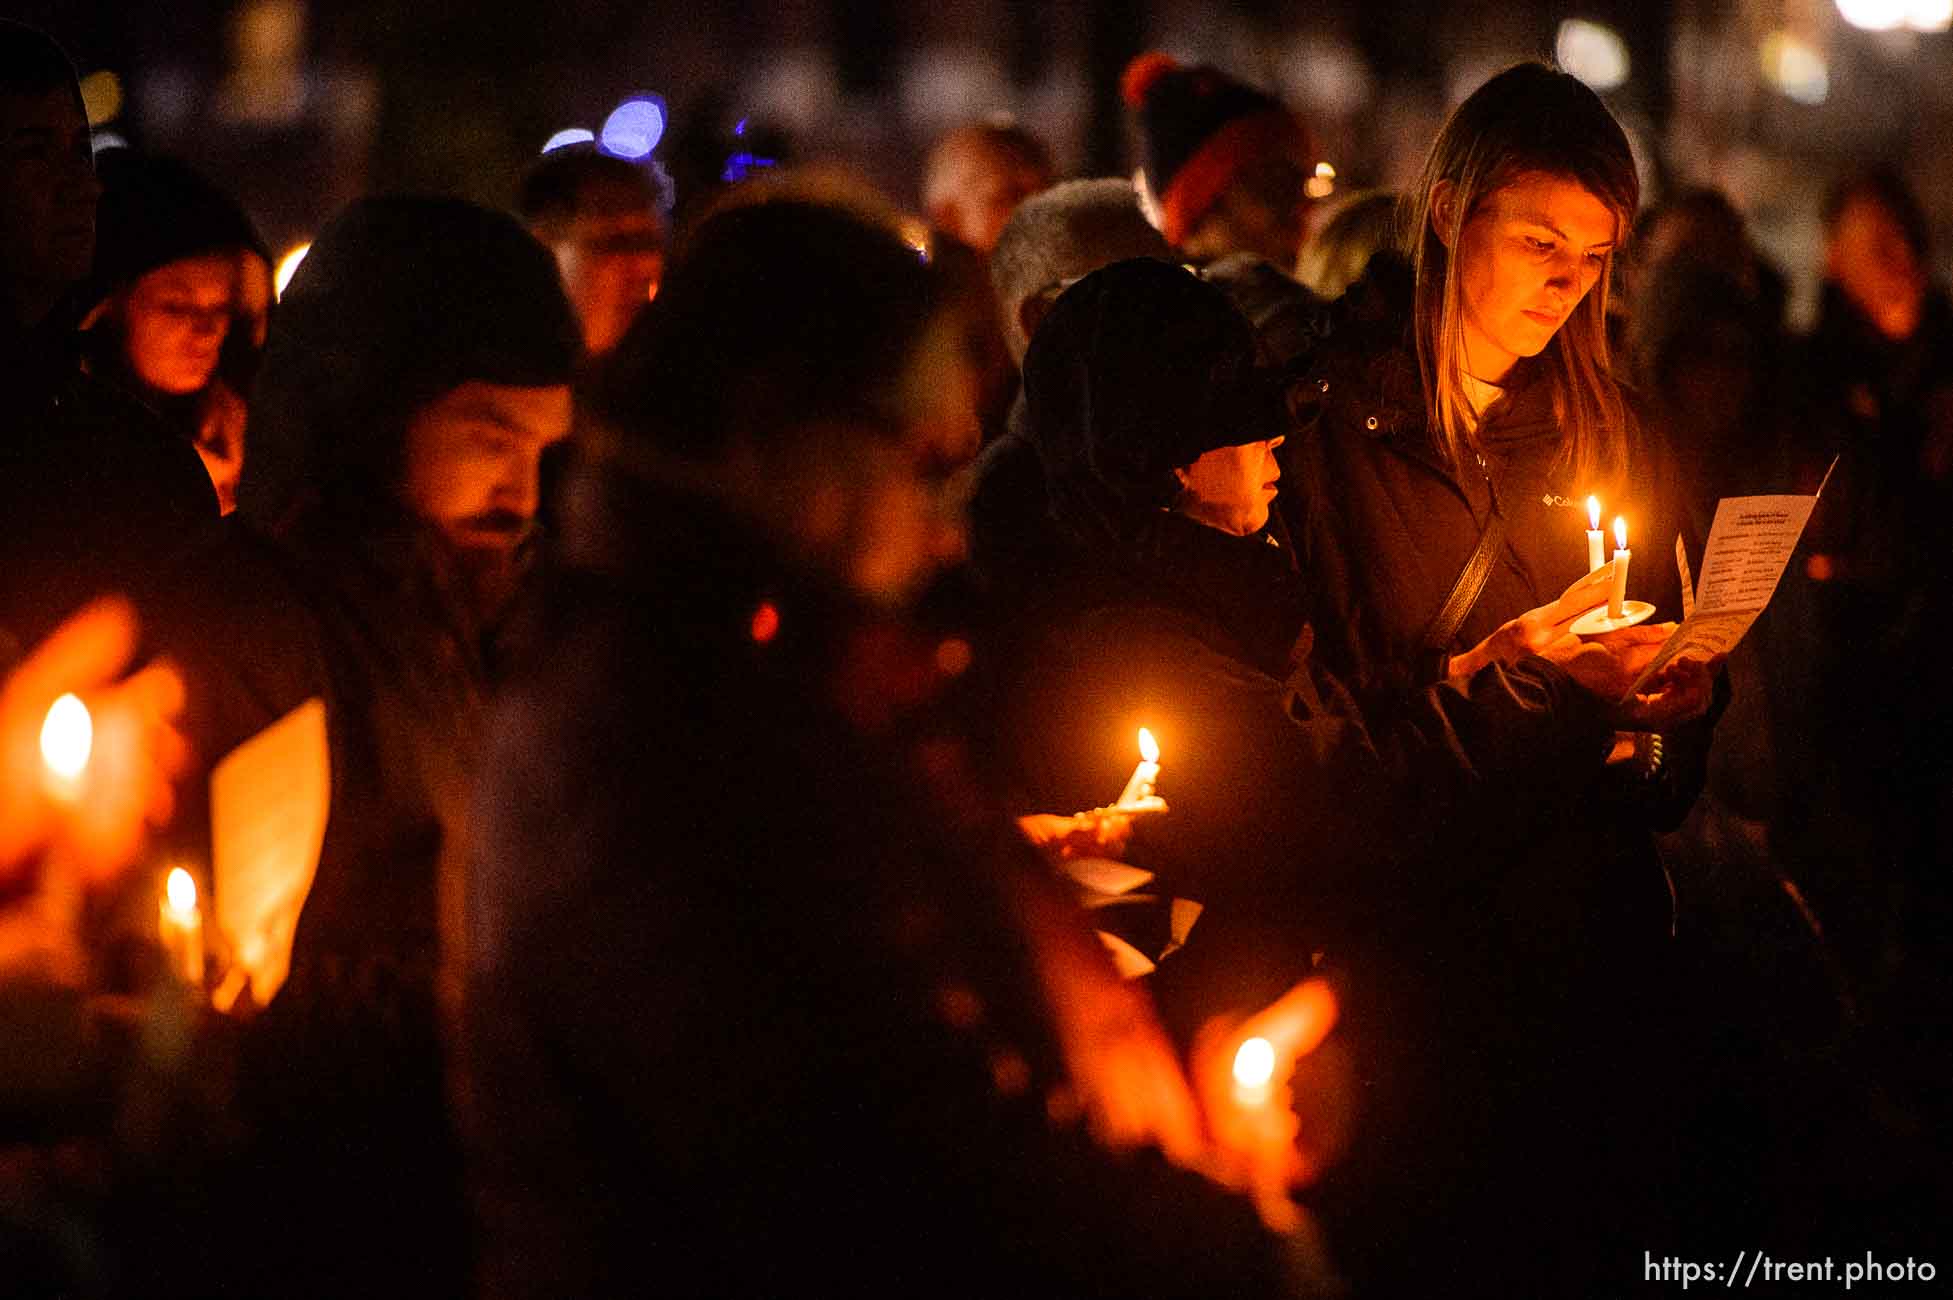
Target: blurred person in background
x=1224 y=164
x=171 y=322
x=600 y=217
x=1224 y=174
x=976 y=175
x=1051 y=240
x=418 y=367
x=95 y=494
x=82 y=1097
x=755 y=955
x=1875 y=389
x=1361 y=226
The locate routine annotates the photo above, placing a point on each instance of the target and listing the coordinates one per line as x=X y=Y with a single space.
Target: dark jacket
x=753 y=1001
x=1287 y=801
x=95 y=494
x=342 y=1083
x=1383 y=526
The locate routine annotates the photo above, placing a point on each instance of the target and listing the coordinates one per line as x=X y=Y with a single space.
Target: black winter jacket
x=754 y=1001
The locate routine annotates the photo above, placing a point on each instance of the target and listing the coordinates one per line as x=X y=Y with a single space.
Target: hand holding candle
x=1615 y=600
x=86 y=759
x=1242 y=1071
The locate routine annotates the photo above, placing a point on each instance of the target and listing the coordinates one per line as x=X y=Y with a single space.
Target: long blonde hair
x=1527 y=119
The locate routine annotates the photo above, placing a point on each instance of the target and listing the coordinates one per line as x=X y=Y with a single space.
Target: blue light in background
x=740 y=165
x=634 y=127
x=567 y=137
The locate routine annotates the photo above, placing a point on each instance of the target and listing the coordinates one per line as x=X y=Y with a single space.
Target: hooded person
x=1052 y=239
x=1310 y=829
x=167 y=302
x=419 y=365
x=94 y=493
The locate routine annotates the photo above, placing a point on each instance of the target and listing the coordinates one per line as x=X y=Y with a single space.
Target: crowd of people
x=730 y=632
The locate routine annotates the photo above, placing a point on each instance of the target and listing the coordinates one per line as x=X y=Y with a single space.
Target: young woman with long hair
x=1461 y=406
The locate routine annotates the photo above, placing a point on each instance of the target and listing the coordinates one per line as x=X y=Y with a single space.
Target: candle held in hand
x=67 y=740
x=179 y=928
x=1594 y=556
x=1621 y=555
x=1143 y=776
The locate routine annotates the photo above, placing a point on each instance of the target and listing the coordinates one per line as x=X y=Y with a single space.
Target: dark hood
x=1140 y=368
x=400 y=301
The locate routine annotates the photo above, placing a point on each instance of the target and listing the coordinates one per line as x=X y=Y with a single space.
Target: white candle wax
x=1618 y=595
x=1141 y=784
x=1143 y=776
x=179 y=928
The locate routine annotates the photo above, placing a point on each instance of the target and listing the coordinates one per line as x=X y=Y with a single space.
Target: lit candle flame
x=1620 y=532
x=1149 y=749
x=1254 y=1063
x=182 y=891
x=67 y=737
x=1325 y=172
x=288 y=267
x=1593 y=513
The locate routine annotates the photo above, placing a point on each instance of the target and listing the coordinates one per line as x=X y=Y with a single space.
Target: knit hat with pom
x=1201 y=129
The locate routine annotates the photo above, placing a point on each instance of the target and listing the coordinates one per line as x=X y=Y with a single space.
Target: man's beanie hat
x=1201 y=128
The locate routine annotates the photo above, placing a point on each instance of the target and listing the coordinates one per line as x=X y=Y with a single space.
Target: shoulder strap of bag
x=1471 y=579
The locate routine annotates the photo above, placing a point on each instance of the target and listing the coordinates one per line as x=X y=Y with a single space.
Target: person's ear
x=1180 y=473
x=1444 y=211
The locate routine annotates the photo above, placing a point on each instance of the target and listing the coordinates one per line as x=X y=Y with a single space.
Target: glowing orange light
x=1593 y=513
x=1620 y=532
x=1149 y=749
x=953 y=656
x=182 y=891
x=766 y=622
x=1254 y=1063
x=67 y=737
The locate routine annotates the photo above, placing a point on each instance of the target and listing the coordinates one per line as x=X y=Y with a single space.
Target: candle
x=67 y=739
x=1143 y=776
x=1619 y=592
x=1594 y=557
x=179 y=928
x=1254 y=1068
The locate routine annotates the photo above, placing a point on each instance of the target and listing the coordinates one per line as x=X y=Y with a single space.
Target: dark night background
x=299 y=106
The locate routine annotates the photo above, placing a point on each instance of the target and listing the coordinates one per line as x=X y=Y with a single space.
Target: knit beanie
x=1139 y=369
x=1201 y=129
x=401 y=300
x=155 y=211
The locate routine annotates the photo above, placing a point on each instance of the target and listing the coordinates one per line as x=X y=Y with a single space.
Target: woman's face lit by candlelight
x=1526 y=256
